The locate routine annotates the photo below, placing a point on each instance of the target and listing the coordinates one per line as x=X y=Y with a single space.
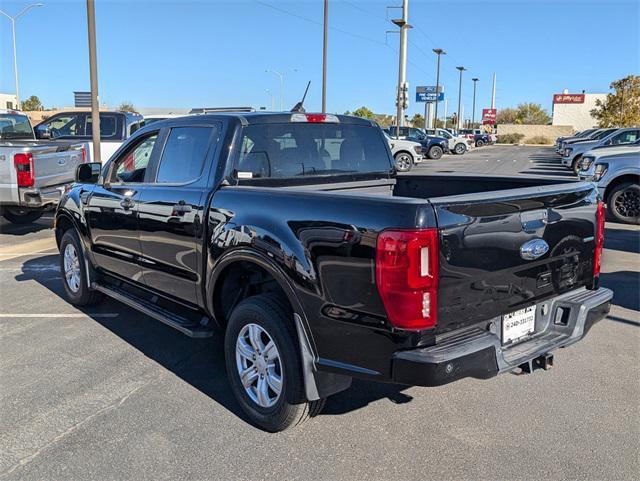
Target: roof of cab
x=262 y=117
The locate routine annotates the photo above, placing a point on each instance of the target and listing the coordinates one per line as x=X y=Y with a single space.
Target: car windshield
x=15 y=126
x=307 y=149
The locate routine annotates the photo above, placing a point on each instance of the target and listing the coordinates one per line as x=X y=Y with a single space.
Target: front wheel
x=403 y=161
x=74 y=273
x=435 y=152
x=264 y=366
x=460 y=149
x=17 y=215
x=624 y=203
x=575 y=165
x=479 y=143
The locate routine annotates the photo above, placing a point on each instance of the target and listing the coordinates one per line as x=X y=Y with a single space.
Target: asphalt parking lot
x=108 y=393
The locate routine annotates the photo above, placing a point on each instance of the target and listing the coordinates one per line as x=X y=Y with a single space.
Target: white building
x=8 y=101
x=575 y=109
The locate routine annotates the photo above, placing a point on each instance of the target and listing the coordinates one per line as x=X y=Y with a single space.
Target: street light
x=461 y=69
x=281 y=77
x=15 y=58
x=473 y=112
x=273 y=107
x=438 y=52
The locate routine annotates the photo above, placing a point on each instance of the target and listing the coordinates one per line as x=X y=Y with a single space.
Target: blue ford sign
x=428 y=94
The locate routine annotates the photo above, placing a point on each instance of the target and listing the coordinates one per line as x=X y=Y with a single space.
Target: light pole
x=93 y=79
x=324 y=56
x=401 y=94
x=281 y=77
x=473 y=112
x=273 y=107
x=15 y=58
x=438 y=52
x=461 y=69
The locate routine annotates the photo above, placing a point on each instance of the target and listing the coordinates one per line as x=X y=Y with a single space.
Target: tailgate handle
x=534 y=219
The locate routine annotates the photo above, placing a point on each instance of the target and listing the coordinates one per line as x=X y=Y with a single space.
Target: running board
x=204 y=328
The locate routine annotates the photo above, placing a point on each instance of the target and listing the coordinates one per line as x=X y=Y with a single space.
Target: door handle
x=127 y=203
x=181 y=208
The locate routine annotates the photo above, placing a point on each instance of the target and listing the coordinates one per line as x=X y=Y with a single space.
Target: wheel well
x=63 y=224
x=402 y=152
x=238 y=281
x=617 y=181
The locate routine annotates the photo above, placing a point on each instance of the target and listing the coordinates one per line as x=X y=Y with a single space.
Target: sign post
x=429 y=94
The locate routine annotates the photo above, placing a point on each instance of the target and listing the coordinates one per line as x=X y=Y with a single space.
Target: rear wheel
x=264 y=366
x=624 y=203
x=403 y=161
x=17 y=215
x=435 y=152
x=460 y=149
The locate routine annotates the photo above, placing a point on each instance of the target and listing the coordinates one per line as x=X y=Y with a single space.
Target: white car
x=457 y=143
x=405 y=152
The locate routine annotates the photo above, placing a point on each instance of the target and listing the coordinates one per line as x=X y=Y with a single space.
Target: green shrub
x=538 y=140
x=510 y=138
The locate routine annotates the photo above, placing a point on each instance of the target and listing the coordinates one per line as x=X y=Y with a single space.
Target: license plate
x=518 y=324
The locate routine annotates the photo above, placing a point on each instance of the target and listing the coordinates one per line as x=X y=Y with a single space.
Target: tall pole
x=401 y=98
x=493 y=93
x=15 y=56
x=324 y=56
x=93 y=71
x=461 y=69
x=446 y=104
x=473 y=112
x=438 y=52
x=281 y=77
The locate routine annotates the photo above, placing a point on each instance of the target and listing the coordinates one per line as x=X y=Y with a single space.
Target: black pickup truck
x=293 y=234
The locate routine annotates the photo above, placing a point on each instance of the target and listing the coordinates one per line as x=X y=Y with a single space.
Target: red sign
x=489 y=116
x=568 y=98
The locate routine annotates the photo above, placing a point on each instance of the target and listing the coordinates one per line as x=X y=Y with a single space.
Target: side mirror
x=43 y=132
x=88 y=173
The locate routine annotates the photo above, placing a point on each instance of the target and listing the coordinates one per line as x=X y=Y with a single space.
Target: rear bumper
x=478 y=352
x=37 y=197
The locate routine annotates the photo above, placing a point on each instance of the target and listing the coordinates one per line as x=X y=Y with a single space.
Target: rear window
x=307 y=149
x=13 y=126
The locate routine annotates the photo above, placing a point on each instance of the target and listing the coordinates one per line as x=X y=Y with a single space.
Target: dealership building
x=575 y=109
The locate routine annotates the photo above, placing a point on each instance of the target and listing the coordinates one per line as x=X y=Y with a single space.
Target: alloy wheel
x=72 y=268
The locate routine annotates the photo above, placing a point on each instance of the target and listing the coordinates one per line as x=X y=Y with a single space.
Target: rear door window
x=108 y=126
x=66 y=125
x=307 y=149
x=184 y=154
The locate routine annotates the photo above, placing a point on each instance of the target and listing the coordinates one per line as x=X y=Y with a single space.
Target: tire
x=459 y=149
x=404 y=161
x=16 y=215
x=575 y=165
x=266 y=317
x=479 y=143
x=435 y=152
x=74 y=274
x=624 y=203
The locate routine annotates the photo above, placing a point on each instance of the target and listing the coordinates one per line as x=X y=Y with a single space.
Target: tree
x=32 y=103
x=506 y=116
x=363 y=112
x=417 y=121
x=621 y=108
x=127 y=106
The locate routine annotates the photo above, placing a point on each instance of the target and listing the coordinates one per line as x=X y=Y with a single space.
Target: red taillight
x=597 y=258
x=24 y=169
x=84 y=155
x=407 y=276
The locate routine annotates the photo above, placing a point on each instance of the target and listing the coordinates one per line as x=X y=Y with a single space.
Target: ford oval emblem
x=533 y=249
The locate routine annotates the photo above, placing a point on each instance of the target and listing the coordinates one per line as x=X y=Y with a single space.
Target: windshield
x=15 y=126
x=306 y=149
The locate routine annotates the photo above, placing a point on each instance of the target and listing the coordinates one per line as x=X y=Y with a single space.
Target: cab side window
x=67 y=125
x=184 y=154
x=132 y=165
x=625 y=137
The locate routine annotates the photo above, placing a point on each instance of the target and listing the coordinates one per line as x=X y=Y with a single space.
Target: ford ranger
x=293 y=234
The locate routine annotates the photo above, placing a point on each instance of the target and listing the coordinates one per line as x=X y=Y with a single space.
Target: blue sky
x=214 y=53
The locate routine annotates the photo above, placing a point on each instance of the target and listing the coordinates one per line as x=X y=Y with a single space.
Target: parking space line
x=73 y=315
x=28 y=248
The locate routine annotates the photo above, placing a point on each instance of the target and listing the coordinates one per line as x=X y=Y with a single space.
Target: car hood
x=610 y=151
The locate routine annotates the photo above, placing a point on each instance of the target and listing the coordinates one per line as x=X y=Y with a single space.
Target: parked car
x=595 y=135
x=457 y=144
x=577 y=135
x=479 y=137
x=616 y=170
x=115 y=128
x=432 y=147
x=406 y=153
x=292 y=233
x=33 y=174
x=574 y=150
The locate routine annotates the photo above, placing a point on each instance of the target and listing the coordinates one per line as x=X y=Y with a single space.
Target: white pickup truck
x=33 y=174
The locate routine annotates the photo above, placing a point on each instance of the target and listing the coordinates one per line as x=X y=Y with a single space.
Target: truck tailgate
x=491 y=249
x=56 y=165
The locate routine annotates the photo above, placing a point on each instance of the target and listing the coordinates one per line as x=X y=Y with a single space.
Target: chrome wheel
x=403 y=162
x=72 y=268
x=259 y=365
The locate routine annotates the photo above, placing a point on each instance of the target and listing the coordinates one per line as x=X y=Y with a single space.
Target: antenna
x=299 y=107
